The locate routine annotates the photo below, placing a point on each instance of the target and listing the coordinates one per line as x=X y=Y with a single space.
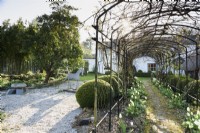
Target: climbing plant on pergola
x=131 y=28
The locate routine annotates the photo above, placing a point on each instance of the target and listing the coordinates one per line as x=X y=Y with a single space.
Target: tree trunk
x=48 y=74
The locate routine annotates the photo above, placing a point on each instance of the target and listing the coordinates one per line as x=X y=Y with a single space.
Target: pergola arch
x=151 y=24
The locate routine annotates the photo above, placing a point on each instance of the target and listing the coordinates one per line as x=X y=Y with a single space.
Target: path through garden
x=161 y=119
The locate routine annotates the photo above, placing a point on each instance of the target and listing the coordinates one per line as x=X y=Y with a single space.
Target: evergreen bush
x=85 y=94
x=114 y=84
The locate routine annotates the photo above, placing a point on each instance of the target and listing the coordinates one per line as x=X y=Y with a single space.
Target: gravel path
x=162 y=119
x=46 y=110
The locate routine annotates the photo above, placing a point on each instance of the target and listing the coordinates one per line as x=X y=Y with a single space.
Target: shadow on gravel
x=65 y=124
x=43 y=107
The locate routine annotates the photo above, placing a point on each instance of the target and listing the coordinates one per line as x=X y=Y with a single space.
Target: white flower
x=198 y=112
x=131 y=123
x=120 y=115
x=197 y=122
x=188 y=109
x=188 y=114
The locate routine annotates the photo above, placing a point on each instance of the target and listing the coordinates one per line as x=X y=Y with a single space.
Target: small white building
x=145 y=64
x=91 y=64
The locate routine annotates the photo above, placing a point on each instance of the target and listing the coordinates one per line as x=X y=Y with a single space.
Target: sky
x=30 y=9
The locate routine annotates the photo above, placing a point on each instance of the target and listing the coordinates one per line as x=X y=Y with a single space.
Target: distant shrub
x=107 y=73
x=182 y=82
x=173 y=79
x=143 y=74
x=85 y=94
x=86 y=67
x=192 y=88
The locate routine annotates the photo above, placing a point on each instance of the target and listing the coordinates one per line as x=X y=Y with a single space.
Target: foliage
x=182 y=82
x=135 y=108
x=173 y=79
x=85 y=94
x=2 y=116
x=87 y=49
x=57 y=39
x=177 y=101
x=15 y=47
x=143 y=74
x=166 y=91
x=48 y=43
x=119 y=81
x=155 y=82
x=192 y=121
x=4 y=82
x=86 y=67
x=122 y=124
x=137 y=100
x=114 y=84
x=192 y=88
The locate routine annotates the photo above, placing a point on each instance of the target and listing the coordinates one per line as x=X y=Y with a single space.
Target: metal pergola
x=159 y=29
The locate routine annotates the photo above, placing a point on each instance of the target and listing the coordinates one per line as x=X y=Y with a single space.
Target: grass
x=143 y=78
x=89 y=76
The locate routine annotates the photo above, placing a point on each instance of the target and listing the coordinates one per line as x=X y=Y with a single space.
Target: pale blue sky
x=30 y=9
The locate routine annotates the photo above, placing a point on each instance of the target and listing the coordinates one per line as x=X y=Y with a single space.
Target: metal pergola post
x=179 y=65
x=96 y=60
x=118 y=76
x=197 y=75
x=186 y=71
x=111 y=47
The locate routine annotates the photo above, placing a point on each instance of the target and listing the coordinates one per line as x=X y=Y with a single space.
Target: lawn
x=89 y=76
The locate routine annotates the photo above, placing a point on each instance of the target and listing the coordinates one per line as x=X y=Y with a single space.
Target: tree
x=87 y=49
x=57 y=39
x=14 y=47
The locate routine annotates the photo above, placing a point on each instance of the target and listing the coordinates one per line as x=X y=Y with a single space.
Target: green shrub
x=85 y=94
x=142 y=74
x=173 y=79
x=182 y=82
x=120 y=81
x=40 y=76
x=192 y=88
x=86 y=67
x=114 y=84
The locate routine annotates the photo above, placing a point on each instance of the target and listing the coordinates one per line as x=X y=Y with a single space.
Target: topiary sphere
x=114 y=84
x=85 y=94
x=120 y=81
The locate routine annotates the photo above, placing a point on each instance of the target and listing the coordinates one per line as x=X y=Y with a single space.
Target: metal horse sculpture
x=75 y=76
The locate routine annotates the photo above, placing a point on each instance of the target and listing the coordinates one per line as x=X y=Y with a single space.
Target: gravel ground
x=41 y=110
